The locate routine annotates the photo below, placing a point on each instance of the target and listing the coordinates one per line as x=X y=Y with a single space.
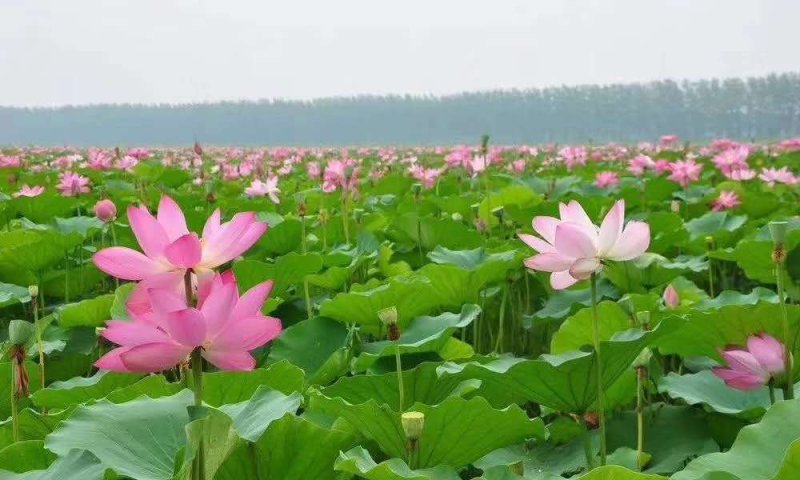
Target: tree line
x=758 y=108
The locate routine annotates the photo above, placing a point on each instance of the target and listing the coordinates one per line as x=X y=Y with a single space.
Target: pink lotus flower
x=169 y=247
x=667 y=140
x=726 y=201
x=72 y=184
x=426 y=176
x=100 y=159
x=573 y=248
x=105 y=210
x=224 y=325
x=752 y=368
x=573 y=156
x=313 y=170
x=671 y=298
x=684 y=172
x=606 y=179
x=741 y=174
x=517 y=166
x=27 y=191
x=477 y=165
x=732 y=159
x=10 y=161
x=771 y=176
x=260 y=189
x=340 y=174
x=639 y=164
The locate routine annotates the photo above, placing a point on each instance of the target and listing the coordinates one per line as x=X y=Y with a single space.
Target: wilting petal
x=574 y=212
x=127 y=264
x=548 y=262
x=242 y=361
x=562 y=280
x=583 y=268
x=739 y=380
x=246 y=334
x=149 y=233
x=574 y=241
x=251 y=302
x=611 y=228
x=111 y=361
x=187 y=327
x=154 y=357
x=185 y=252
x=536 y=243
x=131 y=333
x=171 y=218
x=632 y=243
x=769 y=353
x=546 y=227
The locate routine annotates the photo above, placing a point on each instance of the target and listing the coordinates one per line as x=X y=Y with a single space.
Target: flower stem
x=309 y=307
x=14 y=410
x=199 y=463
x=788 y=387
x=498 y=346
x=601 y=415
x=771 y=394
x=345 y=218
x=587 y=445
x=39 y=344
x=400 y=390
x=641 y=377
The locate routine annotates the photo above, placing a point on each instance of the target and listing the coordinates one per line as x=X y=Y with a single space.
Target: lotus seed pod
x=19 y=332
x=643 y=318
x=643 y=359
x=413 y=423
x=778 y=232
x=498 y=212
x=388 y=316
x=33 y=291
x=676 y=206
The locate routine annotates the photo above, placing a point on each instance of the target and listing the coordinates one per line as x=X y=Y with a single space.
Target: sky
x=56 y=52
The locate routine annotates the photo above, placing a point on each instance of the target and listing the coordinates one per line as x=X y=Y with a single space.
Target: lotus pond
x=531 y=312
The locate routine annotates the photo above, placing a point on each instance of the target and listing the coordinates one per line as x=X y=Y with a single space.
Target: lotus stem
x=345 y=218
x=39 y=345
x=641 y=378
x=498 y=346
x=400 y=389
x=587 y=445
x=599 y=363
x=309 y=306
x=14 y=407
x=788 y=387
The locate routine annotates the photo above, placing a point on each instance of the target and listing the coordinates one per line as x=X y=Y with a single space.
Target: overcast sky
x=55 y=52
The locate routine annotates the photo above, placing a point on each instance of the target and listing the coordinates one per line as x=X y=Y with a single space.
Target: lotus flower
x=606 y=179
x=169 y=247
x=269 y=188
x=72 y=184
x=752 y=368
x=27 y=191
x=684 y=172
x=726 y=201
x=225 y=326
x=573 y=248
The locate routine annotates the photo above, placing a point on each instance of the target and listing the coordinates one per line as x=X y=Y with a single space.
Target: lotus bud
x=198 y=150
x=484 y=143
x=105 y=210
x=33 y=291
x=671 y=298
x=676 y=206
x=19 y=332
x=413 y=423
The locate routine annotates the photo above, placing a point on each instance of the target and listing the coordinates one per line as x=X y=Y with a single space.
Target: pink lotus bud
x=105 y=210
x=671 y=298
x=752 y=367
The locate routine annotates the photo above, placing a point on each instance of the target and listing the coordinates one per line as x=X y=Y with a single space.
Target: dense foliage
x=420 y=334
x=753 y=108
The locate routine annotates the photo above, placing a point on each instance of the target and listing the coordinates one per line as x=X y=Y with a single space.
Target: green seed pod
x=20 y=331
x=413 y=423
x=388 y=315
x=778 y=231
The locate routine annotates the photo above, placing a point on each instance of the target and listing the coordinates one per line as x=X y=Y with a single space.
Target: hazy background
x=57 y=52
x=167 y=72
